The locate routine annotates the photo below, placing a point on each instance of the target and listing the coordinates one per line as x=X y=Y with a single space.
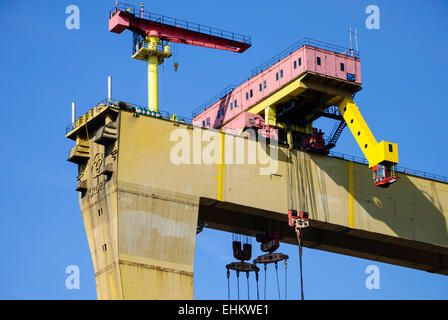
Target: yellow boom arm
x=374 y=152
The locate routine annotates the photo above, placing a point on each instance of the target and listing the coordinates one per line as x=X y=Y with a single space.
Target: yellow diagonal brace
x=373 y=151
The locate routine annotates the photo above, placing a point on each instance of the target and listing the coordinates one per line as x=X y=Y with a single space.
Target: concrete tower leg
x=141 y=237
x=157 y=235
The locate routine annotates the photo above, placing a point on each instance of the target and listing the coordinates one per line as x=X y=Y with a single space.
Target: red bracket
x=298 y=220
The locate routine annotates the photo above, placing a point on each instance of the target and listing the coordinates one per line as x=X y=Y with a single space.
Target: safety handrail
x=221 y=94
x=398 y=169
x=184 y=24
x=304 y=42
x=267 y=64
x=114 y=102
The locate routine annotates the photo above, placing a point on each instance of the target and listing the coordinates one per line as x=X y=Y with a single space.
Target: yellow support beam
x=153 y=84
x=373 y=151
x=221 y=167
x=154 y=57
x=269 y=116
x=290 y=90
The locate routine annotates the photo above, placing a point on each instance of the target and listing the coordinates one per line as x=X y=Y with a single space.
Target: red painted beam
x=121 y=21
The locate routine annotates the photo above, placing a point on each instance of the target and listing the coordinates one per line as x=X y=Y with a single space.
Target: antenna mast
x=355 y=33
x=351 y=46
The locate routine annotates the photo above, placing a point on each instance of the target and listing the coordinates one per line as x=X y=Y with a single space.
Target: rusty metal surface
x=271 y=258
x=242 y=267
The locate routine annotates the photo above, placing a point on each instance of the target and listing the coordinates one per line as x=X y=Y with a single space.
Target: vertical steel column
x=153 y=82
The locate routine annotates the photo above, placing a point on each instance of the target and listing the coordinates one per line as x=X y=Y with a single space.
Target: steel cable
x=286 y=279
x=238 y=282
x=247 y=276
x=228 y=284
x=278 y=283
x=299 y=239
x=265 y=267
x=256 y=279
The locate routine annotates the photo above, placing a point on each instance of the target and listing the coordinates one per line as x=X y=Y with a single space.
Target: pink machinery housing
x=301 y=84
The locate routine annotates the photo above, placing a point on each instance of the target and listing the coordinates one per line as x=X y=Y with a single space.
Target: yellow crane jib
x=381 y=156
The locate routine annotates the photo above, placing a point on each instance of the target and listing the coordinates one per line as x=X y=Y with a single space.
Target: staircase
x=335 y=134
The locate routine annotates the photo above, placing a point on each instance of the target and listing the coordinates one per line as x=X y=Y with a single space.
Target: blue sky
x=45 y=67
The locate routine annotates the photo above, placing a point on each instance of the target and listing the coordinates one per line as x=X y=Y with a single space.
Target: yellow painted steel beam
x=307 y=129
x=293 y=89
x=153 y=75
x=154 y=57
x=221 y=167
x=373 y=151
x=270 y=119
x=290 y=90
x=153 y=84
x=269 y=116
x=351 y=199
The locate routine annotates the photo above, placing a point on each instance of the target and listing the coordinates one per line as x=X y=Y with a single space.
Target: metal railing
x=169 y=116
x=399 y=169
x=137 y=42
x=221 y=94
x=191 y=26
x=274 y=60
x=118 y=103
x=304 y=42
